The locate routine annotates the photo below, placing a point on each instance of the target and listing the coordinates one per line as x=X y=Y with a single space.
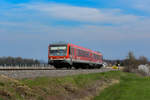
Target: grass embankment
x=131 y=87
x=53 y=88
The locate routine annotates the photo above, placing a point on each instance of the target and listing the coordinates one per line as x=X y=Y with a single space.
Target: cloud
x=85 y=32
x=124 y=26
x=138 y=5
x=30 y=27
x=82 y=14
x=33 y=18
x=142 y=5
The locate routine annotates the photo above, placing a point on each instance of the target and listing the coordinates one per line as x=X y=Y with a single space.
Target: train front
x=59 y=55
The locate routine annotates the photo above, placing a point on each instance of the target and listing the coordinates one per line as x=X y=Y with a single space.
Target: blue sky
x=113 y=27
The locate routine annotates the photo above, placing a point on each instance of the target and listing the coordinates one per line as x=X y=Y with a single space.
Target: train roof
x=59 y=43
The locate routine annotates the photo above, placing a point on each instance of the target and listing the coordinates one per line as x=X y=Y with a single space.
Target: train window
x=87 y=54
x=83 y=53
x=96 y=56
x=58 y=50
x=78 y=52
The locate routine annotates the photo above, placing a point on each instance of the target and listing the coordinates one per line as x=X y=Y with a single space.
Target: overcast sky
x=113 y=27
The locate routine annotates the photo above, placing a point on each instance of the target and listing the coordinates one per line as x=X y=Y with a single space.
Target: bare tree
x=130 y=62
x=143 y=60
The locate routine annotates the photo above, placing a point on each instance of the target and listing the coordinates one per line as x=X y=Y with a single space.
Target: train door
x=75 y=53
x=72 y=51
x=91 y=56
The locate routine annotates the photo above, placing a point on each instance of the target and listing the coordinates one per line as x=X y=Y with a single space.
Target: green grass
x=131 y=87
x=81 y=80
x=61 y=85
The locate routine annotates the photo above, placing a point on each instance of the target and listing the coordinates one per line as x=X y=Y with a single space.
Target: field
x=131 y=87
x=113 y=85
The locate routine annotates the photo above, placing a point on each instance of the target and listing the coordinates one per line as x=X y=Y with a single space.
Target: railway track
x=42 y=68
x=27 y=68
x=37 y=68
x=21 y=73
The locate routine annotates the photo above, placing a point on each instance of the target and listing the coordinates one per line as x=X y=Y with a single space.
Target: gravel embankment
x=19 y=74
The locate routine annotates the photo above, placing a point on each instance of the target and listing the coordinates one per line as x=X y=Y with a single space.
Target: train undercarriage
x=77 y=65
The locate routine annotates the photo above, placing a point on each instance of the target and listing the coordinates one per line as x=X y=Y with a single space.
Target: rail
x=26 y=67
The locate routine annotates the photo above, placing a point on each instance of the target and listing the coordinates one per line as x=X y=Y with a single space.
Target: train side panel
x=85 y=61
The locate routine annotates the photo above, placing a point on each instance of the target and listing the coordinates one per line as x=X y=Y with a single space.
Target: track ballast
x=41 y=72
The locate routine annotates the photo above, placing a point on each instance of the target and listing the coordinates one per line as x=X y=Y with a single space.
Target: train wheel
x=76 y=67
x=57 y=67
x=69 y=67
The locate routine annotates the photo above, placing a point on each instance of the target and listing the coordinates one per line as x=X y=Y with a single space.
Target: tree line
x=130 y=62
x=14 y=61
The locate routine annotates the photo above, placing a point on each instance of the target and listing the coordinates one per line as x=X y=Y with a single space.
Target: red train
x=70 y=55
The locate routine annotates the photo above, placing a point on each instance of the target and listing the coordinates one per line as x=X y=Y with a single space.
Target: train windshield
x=58 y=50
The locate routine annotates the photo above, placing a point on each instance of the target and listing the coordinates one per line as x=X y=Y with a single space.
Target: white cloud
x=143 y=5
x=140 y=5
x=125 y=27
x=137 y=31
x=82 y=14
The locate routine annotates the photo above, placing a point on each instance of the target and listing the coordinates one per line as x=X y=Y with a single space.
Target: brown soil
x=83 y=94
